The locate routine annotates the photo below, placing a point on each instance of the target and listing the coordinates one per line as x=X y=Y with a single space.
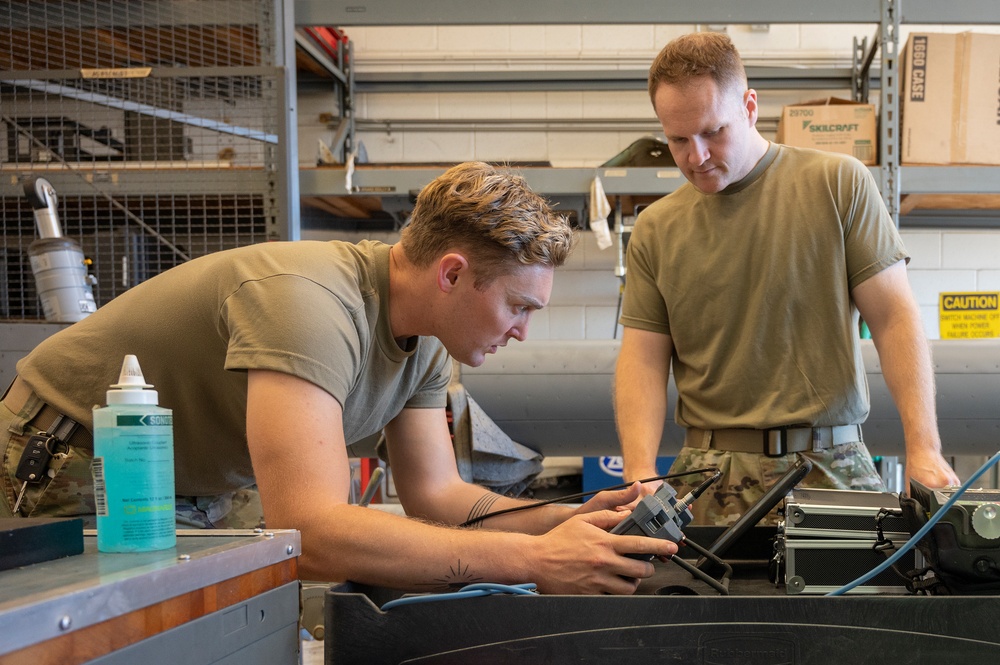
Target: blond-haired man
x=276 y=357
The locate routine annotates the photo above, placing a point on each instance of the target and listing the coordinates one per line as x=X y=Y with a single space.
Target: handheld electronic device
x=662 y=515
x=658 y=515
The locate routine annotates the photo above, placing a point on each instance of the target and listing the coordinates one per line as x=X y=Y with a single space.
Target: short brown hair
x=490 y=214
x=698 y=54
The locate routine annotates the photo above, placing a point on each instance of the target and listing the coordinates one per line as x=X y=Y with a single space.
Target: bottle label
x=145 y=420
x=134 y=485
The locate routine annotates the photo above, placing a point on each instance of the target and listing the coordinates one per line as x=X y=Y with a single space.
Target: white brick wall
x=947 y=261
x=977 y=248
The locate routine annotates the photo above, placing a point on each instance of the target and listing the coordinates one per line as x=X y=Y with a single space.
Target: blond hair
x=489 y=214
x=699 y=54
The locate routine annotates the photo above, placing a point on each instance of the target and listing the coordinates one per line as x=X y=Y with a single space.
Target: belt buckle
x=776 y=442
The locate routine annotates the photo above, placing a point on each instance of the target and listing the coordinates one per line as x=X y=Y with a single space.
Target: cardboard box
x=950 y=104
x=832 y=124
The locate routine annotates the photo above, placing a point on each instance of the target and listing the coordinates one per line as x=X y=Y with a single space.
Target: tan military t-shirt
x=316 y=310
x=753 y=286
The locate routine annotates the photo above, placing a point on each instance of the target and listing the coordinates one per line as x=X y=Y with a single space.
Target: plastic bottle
x=134 y=467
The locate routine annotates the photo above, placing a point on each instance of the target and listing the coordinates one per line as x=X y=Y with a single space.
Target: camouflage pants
x=235 y=510
x=71 y=492
x=747 y=476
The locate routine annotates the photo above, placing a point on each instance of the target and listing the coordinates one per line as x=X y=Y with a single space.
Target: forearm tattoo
x=480 y=509
x=457 y=577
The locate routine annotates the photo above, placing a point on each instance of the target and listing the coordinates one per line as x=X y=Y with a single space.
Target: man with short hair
x=748 y=281
x=276 y=357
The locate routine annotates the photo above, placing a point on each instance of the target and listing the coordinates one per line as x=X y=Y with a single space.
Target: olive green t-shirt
x=315 y=310
x=753 y=285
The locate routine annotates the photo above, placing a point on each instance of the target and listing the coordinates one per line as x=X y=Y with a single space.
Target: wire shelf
x=158 y=123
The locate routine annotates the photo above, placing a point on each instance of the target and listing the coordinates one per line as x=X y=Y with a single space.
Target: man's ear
x=750 y=106
x=450 y=269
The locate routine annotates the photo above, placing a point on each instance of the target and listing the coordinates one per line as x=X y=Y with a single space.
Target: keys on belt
x=43 y=456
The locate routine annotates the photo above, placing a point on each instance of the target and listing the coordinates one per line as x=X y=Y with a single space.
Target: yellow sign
x=974 y=315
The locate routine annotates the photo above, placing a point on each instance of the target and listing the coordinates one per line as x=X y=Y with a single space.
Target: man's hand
x=625 y=499
x=640 y=475
x=931 y=469
x=651 y=487
x=580 y=556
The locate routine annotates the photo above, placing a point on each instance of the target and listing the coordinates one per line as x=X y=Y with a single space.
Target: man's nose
x=519 y=331
x=699 y=152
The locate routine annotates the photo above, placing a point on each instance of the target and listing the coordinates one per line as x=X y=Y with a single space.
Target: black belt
x=48 y=417
x=773 y=442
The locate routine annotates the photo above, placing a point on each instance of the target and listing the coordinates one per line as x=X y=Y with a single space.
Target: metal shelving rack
x=167 y=128
x=276 y=182
x=886 y=15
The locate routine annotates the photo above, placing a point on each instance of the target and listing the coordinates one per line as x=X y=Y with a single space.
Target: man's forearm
x=887 y=304
x=640 y=399
x=909 y=375
x=639 y=416
x=422 y=556
x=345 y=542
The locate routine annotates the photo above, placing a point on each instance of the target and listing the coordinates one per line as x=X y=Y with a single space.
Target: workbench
x=218 y=597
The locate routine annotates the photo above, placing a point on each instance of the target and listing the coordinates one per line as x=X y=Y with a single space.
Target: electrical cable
x=690 y=497
x=921 y=532
x=468 y=591
x=580 y=495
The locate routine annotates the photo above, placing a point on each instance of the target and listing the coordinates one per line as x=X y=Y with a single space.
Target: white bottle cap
x=131 y=387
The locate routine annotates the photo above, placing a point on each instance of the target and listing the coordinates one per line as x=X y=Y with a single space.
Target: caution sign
x=969 y=315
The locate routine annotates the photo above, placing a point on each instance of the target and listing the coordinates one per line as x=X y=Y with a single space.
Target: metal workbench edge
x=50 y=599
